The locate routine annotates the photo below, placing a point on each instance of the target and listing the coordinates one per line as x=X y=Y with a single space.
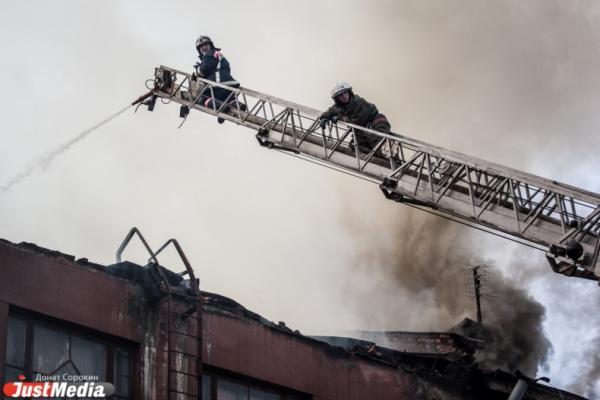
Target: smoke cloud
x=590 y=370
x=417 y=265
x=516 y=336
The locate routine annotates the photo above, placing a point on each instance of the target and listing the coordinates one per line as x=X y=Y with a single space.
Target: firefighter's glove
x=323 y=123
x=334 y=119
x=197 y=73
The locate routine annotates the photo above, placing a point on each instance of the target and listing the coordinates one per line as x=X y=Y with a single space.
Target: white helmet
x=339 y=88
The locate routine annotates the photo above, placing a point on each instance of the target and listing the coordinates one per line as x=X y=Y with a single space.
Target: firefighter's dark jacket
x=215 y=67
x=357 y=111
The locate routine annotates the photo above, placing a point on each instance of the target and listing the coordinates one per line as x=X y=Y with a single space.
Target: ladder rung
x=186 y=315
x=187 y=363
x=185 y=334
x=188 y=355
x=189 y=312
x=184 y=393
x=183 y=373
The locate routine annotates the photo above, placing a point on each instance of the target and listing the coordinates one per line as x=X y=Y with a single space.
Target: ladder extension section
x=562 y=219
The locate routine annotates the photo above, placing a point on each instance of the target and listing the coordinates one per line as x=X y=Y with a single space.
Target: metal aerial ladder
x=562 y=220
x=181 y=308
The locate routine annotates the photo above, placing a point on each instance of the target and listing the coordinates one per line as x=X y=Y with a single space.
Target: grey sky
x=509 y=81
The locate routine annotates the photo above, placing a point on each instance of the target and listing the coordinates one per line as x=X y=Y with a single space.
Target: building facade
x=60 y=316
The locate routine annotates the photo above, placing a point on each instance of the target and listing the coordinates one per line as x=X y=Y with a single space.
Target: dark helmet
x=203 y=40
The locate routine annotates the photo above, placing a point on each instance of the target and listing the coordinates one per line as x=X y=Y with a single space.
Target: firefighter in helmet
x=349 y=107
x=214 y=67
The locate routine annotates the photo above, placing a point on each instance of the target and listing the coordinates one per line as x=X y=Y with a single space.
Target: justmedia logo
x=37 y=389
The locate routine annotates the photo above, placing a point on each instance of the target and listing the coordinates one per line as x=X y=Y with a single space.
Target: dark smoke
x=420 y=259
x=512 y=329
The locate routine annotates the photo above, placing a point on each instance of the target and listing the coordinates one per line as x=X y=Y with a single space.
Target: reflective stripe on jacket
x=215 y=67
